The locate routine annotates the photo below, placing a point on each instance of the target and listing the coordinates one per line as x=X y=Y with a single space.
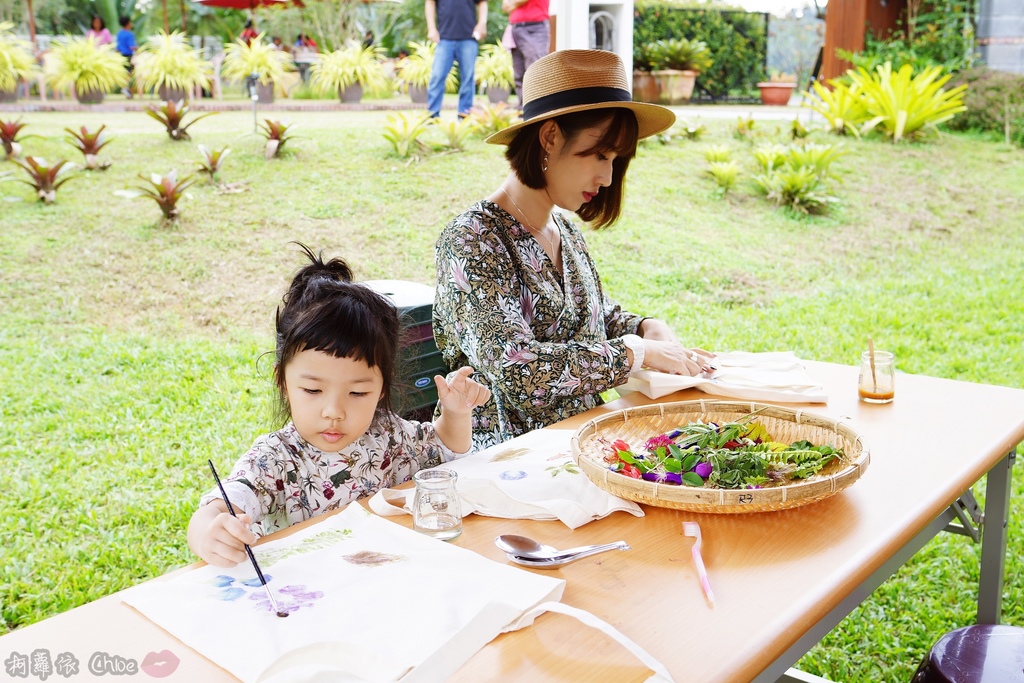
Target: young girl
x=337 y=346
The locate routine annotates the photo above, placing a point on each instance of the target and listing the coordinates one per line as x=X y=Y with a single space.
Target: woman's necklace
x=530 y=227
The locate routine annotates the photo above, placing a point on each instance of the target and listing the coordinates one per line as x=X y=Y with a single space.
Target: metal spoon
x=523 y=548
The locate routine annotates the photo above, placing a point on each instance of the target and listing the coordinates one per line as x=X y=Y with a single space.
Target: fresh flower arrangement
x=731 y=455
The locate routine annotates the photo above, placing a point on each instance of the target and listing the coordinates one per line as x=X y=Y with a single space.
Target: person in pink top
x=531 y=33
x=99 y=32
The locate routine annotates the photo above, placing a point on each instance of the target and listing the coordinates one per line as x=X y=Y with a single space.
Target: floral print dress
x=545 y=342
x=283 y=480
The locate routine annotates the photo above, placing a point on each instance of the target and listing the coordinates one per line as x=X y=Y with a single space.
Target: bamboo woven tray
x=635 y=425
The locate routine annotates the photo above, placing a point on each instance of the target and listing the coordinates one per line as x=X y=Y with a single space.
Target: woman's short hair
x=525 y=155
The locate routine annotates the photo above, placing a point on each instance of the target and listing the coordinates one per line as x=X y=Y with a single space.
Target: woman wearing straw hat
x=518 y=296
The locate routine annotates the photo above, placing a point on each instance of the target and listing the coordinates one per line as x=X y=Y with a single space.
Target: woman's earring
x=544 y=164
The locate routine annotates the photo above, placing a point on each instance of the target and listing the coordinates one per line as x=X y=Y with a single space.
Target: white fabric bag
x=777 y=377
x=530 y=477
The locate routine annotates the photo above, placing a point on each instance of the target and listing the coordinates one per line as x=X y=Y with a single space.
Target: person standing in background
x=457 y=30
x=98 y=31
x=249 y=33
x=125 y=45
x=531 y=33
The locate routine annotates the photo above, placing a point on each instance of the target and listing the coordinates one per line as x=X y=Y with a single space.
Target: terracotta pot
x=674 y=87
x=89 y=96
x=352 y=94
x=777 y=94
x=496 y=95
x=645 y=87
x=418 y=94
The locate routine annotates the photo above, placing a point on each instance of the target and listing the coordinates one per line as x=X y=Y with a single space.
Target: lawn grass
x=131 y=349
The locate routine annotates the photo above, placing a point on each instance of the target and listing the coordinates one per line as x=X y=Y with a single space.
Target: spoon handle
x=585 y=550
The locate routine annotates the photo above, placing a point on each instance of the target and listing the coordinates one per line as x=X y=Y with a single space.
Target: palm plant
x=91 y=69
x=277 y=133
x=89 y=143
x=172 y=115
x=9 y=132
x=494 y=67
x=414 y=70
x=165 y=190
x=403 y=132
x=168 y=63
x=680 y=54
x=44 y=178
x=350 y=67
x=259 y=58
x=16 y=60
x=212 y=160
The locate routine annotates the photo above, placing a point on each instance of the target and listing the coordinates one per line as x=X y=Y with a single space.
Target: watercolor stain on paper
x=509 y=454
x=289 y=598
x=568 y=466
x=512 y=475
x=371 y=559
x=324 y=539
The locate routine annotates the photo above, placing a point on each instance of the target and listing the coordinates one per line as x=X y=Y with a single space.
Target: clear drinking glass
x=877 y=383
x=436 y=510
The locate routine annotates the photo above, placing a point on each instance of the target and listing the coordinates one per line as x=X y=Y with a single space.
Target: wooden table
x=782 y=580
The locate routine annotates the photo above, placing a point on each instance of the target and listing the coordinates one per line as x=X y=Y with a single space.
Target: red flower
x=620 y=445
x=631 y=471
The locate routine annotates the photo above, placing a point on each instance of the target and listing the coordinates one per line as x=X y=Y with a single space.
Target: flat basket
x=592 y=442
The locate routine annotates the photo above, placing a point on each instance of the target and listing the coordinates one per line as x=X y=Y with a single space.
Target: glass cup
x=436 y=509
x=877 y=383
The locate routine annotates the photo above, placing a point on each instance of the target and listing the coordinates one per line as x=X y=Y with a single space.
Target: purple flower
x=673 y=478
x=703 y=469
x=650 y=476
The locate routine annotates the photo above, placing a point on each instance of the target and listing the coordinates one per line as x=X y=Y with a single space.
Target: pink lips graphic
x=160 y=664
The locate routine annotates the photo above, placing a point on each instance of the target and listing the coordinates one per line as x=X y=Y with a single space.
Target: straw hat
x=577 y=80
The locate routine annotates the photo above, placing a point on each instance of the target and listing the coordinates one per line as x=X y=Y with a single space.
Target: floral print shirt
x=283 y=480
x=545 y=342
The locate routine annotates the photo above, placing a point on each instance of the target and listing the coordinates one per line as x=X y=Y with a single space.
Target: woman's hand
x=460 y=394
x=652 y=328
x=218 y=537
x=674 y=358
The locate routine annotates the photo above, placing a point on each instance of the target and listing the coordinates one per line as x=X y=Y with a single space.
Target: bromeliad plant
x=730 y=456
x=9 y=137
x=454 y=133
x=89 y=143
x=277 y=133
x=165 y=190
x=725 y=174
x=715 y=153
x=800 y=189
x=172 y=116
x=212 y=160
x=904 y=105
x=44 y=178
x=842 y=106
x=491 y=118
x=403 y=132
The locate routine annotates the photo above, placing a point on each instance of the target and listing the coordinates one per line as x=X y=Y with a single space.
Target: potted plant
x=169 y=65
x=414 y=72
x=645 y=87
x=260 y=58
x=677 y=62
x=16 y=62
x=350 y=72
x=494 y=72
x=777 y=89
x=92 y=70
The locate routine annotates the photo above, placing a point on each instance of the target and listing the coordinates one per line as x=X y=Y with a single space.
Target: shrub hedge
x=738 y=42
x=988 y=94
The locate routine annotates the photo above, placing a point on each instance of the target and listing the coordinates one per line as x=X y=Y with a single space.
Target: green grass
x=131 y=349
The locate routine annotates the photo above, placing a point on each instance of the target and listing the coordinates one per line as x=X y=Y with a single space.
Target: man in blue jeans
x=457 y=26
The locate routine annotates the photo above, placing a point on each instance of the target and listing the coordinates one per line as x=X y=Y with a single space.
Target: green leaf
x=692 y=479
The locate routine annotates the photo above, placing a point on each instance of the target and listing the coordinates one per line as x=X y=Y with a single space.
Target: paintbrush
x=248 y=550
x=871 y=355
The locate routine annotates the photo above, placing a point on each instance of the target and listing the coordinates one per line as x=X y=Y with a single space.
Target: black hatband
x=574 y=98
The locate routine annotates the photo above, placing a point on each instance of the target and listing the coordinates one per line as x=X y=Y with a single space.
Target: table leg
x=993 y=540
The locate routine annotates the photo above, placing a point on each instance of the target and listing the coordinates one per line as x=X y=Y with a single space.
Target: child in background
x=98 y=31
x=337 y=347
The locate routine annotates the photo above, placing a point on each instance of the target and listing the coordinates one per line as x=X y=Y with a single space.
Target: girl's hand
x=460 y=394
x=219 y=538
x=652 y=328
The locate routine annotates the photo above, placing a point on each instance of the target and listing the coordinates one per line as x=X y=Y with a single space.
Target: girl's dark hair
x=323 y=310
x=525 y=155
x=103 y=24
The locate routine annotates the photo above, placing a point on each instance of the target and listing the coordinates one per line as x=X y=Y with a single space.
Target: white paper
x=368 y=600
x=777 y=377
x=530 y=477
